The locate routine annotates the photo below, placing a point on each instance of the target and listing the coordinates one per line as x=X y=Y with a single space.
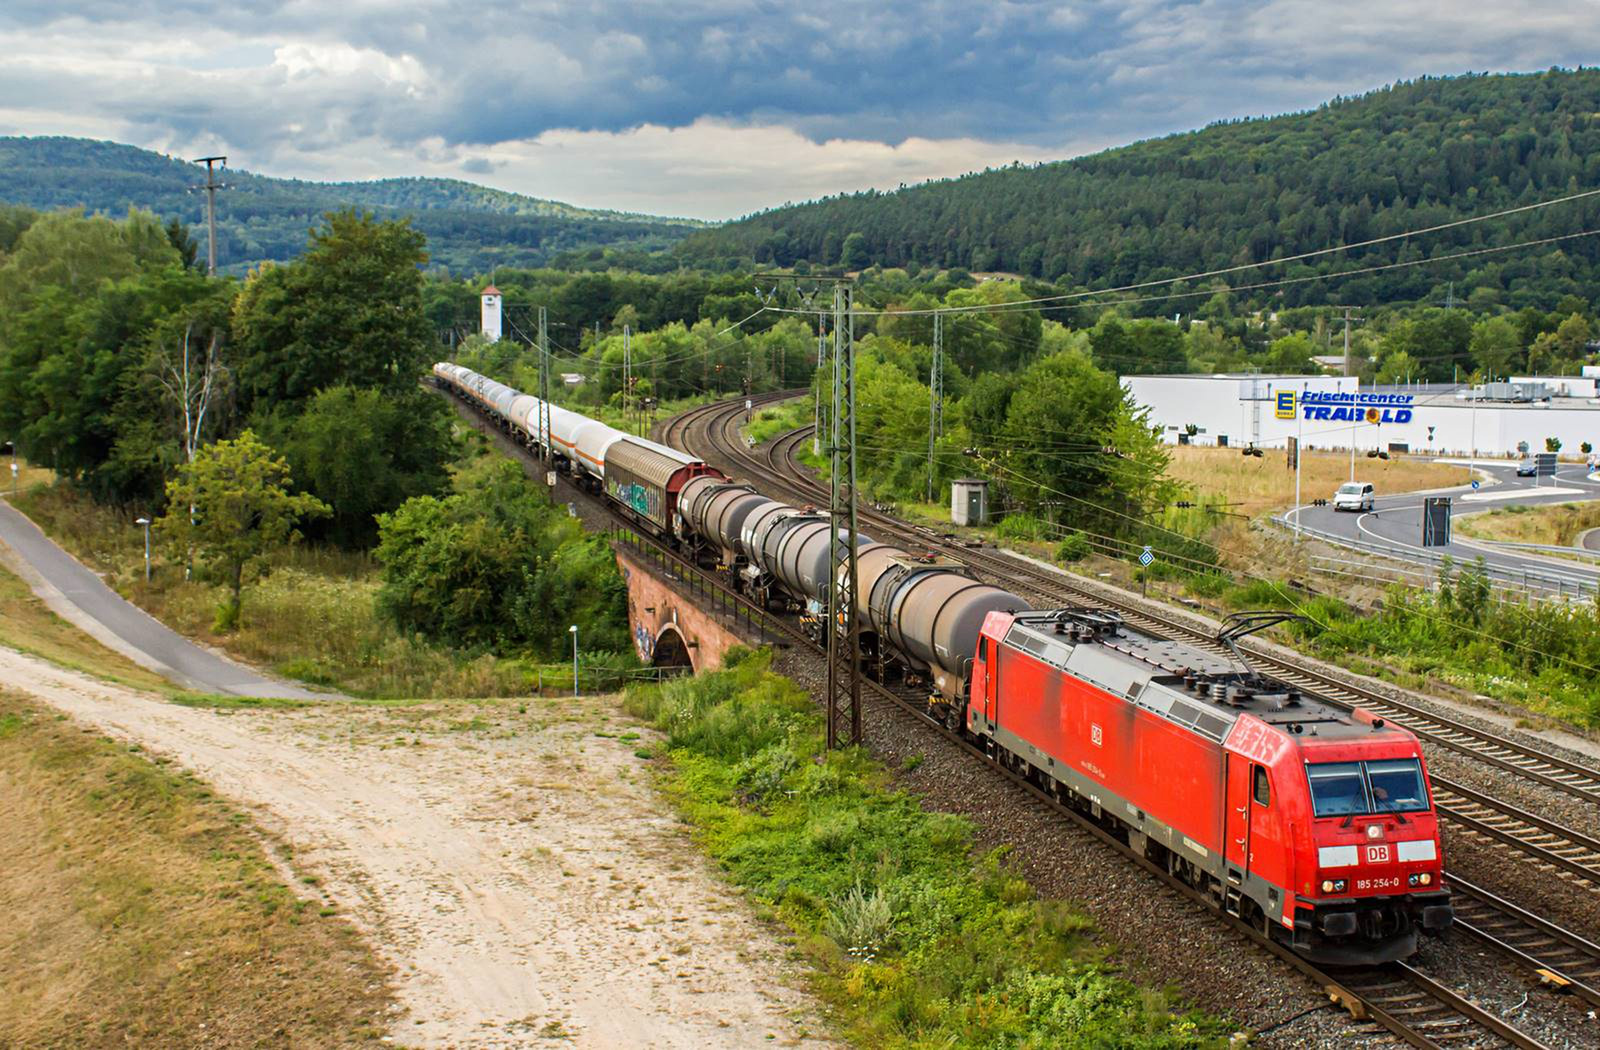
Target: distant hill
x=470 y=228
x=1401 y=158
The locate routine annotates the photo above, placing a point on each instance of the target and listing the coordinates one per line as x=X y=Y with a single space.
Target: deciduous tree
x=233 y=506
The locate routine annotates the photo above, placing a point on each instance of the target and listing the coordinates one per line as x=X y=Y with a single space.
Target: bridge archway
x=671 y=650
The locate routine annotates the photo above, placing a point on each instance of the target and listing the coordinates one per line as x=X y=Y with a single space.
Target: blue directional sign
x=1475 y=484
x=1145 y=557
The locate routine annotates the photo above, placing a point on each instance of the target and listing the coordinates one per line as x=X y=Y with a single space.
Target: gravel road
x=515 y=867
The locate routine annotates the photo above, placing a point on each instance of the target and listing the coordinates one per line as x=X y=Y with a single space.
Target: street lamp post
x=573 y=630
x=146 y=523
x=1299 y=454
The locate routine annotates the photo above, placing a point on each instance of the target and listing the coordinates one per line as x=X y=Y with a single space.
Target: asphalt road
x=1394 y=526
x=79 y=596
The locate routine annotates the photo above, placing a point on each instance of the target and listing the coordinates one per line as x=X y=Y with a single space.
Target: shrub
x=1020 y=526
x=860 y=922
x=495 y=565
x=1074 y=548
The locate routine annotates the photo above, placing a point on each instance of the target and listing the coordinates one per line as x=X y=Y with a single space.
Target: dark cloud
x=302 y=78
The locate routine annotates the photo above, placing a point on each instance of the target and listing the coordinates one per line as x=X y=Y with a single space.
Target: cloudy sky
x=714 y=108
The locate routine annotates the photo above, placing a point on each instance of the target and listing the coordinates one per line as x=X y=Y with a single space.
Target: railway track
x=1551 y=847
x=1424 y=1014
x=778 y=463
x=1430 y=1016
x=1398 y=997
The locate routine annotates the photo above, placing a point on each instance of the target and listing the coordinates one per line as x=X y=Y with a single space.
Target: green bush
x=916 y=941
x=1021 y=527
x=1074 y=548
x=496 y=565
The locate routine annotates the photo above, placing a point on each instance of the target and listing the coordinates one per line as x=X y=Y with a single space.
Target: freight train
x=1314 y=823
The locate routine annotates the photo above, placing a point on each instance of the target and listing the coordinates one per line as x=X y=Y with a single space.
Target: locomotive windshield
x=1342 y=788
x=1337 y=788
x=1396 y=786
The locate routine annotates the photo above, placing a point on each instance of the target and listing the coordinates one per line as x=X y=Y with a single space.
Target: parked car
x=1526 y=468
x=1354 y=495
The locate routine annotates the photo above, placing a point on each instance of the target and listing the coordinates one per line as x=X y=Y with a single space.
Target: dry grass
x=141 y=911
x=312 y=617
x=28 y=474
x=1252 y=485
x=1557 y=525
x=26 y=623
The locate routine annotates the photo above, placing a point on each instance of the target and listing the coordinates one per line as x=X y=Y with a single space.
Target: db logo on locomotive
x=1377 y=854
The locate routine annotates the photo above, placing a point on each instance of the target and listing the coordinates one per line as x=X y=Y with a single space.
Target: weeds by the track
x=1541 y=656
x=916 y=941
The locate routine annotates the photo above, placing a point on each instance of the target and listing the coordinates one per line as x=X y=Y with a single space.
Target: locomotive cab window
x=1262 y=789
x=1396 y=786
x=1337 y=788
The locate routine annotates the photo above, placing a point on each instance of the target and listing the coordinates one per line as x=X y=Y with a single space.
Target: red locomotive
x=1312 y=822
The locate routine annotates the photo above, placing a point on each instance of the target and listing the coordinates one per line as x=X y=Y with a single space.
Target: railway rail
x=1402 y=999
x=1553 y=847
x=1429 y=1016
x=1552 y=771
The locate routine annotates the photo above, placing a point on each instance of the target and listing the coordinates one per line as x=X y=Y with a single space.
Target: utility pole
x=844 y=633
x=935 y=397
x=817 y=418
x=544 y=401
x=1347 y=340
x=627 y=377
x=211 y=186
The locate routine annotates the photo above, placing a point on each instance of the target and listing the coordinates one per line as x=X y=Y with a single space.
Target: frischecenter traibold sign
x=1334 y=406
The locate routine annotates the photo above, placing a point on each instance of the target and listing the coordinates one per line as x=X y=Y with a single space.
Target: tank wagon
x=641 y=477
x=1314 y=823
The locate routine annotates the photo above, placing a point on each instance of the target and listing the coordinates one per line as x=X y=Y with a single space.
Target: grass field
x=1557 y=525
x=1253 y=485
x=312 y=617
x=26 y=623
x=768 y=422
x=142 y=911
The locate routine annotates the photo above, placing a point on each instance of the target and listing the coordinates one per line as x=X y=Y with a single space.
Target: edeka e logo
x=1285 y=407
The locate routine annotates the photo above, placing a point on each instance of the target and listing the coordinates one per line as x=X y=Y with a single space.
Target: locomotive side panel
x=1155 y=776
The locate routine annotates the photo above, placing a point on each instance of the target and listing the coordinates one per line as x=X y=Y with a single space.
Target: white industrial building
x=1333 y=412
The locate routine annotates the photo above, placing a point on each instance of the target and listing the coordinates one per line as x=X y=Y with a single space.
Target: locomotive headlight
x=1421 y=878
x=1333 y=885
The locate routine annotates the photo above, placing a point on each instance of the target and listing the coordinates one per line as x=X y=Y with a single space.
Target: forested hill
x=1401 y=158
x=470 y=228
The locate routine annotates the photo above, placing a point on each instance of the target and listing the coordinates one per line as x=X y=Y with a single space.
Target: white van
x=1353 y=495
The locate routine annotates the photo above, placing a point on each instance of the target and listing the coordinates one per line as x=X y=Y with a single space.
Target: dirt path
x=515 y=867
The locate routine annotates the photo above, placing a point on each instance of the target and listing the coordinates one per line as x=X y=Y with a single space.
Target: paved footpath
x=79 y=596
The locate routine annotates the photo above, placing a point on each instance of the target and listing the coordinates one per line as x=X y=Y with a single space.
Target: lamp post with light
x=573 y=630
x=146 y=523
